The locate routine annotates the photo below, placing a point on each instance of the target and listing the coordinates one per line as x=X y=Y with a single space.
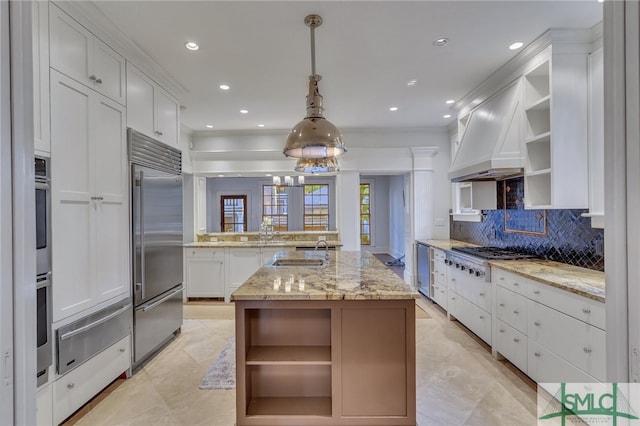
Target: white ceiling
x=366 y=52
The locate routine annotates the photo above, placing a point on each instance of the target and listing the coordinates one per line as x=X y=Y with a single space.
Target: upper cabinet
x=41 y=135
x=150 y=109
x=77 y=53
x=556 y=131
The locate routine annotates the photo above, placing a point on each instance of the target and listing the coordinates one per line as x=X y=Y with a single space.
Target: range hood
x=491 y=139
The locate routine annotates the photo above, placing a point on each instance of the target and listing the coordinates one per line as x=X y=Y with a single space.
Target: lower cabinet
x=44 y=406
x=74 y=389
x=204 y=272
x=550 y=334
x=242 y=263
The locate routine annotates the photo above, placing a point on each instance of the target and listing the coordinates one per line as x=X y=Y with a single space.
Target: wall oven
x=43 y=267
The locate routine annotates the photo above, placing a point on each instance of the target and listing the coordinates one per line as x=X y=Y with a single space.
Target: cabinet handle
x=586 y=310
x=586 y=350
x=516 y=312
x=453 y=279
x=501 y=278
x=516 y=284
x=502 y=330
x=537 y=323
x=97 y=198
x=537 y=354
x=453 y=298
x=158 y=132
x=99 y=81
x=502 y=304
x=515 y=339
x=121 y=349
x=92 y=77
x=536 y=292
x=481 y=316
x=482 y=294
x=70 y=385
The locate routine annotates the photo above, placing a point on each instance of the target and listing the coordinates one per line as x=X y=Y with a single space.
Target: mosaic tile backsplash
x=569 y=237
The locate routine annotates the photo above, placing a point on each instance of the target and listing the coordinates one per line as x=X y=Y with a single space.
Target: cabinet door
x=41 y=101
x=166 y=118
x=108 y=70
x=71 y=205
x=70 y=44
x=139 y=101
x=111 y=244
x=205 y=277
x=242 y=264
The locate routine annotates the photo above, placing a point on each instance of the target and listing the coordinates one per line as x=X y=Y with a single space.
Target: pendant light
x=315 y=137
x=317 y=165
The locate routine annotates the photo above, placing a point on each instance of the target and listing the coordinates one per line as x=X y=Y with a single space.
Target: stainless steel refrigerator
x=156 y=200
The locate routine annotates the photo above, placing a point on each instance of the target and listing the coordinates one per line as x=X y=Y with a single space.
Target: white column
x=419 y=223
x=348 y=209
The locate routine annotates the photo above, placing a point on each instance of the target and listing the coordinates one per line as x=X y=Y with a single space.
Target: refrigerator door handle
x=147 y=307
x=141 y=224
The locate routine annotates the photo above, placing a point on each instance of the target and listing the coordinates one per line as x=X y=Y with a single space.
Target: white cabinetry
x=243 y=262
x=89 y=198
x=439 y=281
x=75 y=388
x=205 y=275
x=470 y=198
x=44 y=406
x=471 y=299
x=150 y=109
x=78 y=54
x=555 y=101
x=550 y=334
x=41 y=129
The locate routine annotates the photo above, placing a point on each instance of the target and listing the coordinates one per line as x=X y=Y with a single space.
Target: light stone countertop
x=252 y=244
x=582 y=281
x=349 y=275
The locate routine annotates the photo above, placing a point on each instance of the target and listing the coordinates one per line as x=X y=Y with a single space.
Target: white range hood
x=491 y=139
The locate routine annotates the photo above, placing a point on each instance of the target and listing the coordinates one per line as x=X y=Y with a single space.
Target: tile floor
x=458 y=381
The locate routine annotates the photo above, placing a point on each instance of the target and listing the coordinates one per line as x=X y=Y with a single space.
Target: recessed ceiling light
x=260 y=125
x=440 y=42
x=446 y=116
x=449 y=101
x=220 y=175
x=268 y=175
x=209 y=126
x=516 y=45
x=412 y=82
x=192 y=45
x=600 y=1
x=225 y=87
x=393 y=109
x=244 y=111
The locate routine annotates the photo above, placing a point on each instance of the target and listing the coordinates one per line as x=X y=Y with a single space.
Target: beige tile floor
x=458 y=381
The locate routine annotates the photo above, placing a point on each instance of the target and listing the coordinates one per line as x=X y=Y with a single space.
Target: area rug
x=222 y=374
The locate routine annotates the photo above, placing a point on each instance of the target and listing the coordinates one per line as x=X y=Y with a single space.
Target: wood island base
x=325 y=362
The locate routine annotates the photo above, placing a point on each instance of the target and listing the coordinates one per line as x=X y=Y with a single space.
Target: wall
x=252 y=188
x=569 y=237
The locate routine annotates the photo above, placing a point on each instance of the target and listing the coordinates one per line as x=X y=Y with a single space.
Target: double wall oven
x=43 y=266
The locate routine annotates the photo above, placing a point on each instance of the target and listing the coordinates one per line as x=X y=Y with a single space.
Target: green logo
x=587 y=405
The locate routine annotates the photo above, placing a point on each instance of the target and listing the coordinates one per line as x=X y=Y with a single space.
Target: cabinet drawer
x=581 y=344
x=438 y=254
x=544 y=366
x=512 y=282
x=440 y=295
x=75 y=388
x=512 y=344
x=511 y=308
x=474 y=318
x=216 y=253
x=580 y=307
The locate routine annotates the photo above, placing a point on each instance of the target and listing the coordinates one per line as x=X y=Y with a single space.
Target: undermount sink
x=289 y=261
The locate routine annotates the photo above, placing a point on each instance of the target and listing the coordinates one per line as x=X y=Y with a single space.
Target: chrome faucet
x=326 y=247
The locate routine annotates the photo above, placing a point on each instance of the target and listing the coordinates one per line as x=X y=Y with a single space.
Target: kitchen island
x=326 y=339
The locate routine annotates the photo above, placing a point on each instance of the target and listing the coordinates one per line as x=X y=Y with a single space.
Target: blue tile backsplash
x=569 y=237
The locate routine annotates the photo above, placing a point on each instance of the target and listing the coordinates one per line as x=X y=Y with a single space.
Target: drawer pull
x=516 y=283
x=453 y=279
x=501 y=278
x=502 y=304
x=482 y=294
x=586 y=310
x=516 y=312
x=453 y=298
x=536 y=323
x=481 y=316
x=515 y=339
x=502 y=330
x=537 y=354
x=536 y=292
x=587 y=350
x=70 y=385
x=121 y=349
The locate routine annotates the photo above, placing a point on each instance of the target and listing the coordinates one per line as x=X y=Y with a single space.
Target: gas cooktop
x=494 y=253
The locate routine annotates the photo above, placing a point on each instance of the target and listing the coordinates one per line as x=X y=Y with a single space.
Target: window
x=316 y=207
x=234 y=217
x=365 y=213
x=274 y=205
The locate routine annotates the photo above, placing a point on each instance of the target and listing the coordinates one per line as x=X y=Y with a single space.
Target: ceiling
x=367 y=52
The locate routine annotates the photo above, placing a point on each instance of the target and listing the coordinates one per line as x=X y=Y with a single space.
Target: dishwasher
x=423 y=262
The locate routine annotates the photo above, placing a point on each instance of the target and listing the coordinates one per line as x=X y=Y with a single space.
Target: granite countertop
x=250 y=244
x=446 y=244
x=349 y=275
x=582 y=281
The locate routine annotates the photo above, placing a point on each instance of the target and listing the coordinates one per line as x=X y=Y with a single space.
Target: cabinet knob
x=502 y=304
x=453 y=279
x=92 y=77
x=516 y=284
x=453 y=298
x=515 y=339
x=537 y=323
x=121 y=349
x=99 y=81
x=502 y=330
x=536 y=292
x=70 y=385
x=501 y=278
x=537 y=354
x=481 y=316
x=482 y=294
x=586 y=310
x=587 y=350
x=516 y=312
